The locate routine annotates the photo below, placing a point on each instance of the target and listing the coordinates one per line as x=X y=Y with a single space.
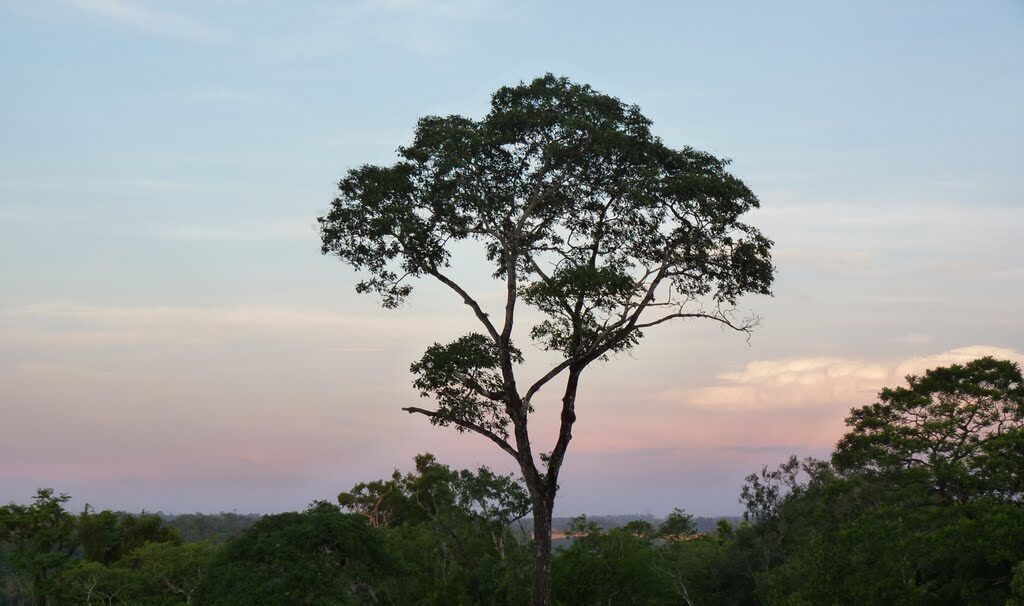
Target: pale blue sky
x=170 y=337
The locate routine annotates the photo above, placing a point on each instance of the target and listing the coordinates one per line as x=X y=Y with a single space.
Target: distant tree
x=640 y=528
x=677 y=524
x=584 y=215
x=724 y=530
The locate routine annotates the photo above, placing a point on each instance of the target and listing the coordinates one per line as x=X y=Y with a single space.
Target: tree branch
x=566 y=421
x=475 y=386
x=745 y=327
x=468 y=300
x=551 y=374
x=433 y=414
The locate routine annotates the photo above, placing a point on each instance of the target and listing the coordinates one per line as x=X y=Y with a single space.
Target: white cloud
x=959 y=355
x=812 y=382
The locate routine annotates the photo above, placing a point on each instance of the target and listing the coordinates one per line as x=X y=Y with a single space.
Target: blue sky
x=170 y=337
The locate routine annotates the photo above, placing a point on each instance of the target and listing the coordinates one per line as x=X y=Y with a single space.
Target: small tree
x=453 y=529
x=677 y=524
x=583 y=215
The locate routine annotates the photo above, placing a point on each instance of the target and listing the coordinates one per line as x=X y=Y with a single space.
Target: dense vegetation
x=921 y=503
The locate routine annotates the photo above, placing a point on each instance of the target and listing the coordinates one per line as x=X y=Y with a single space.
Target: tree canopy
x=920 y=503
x=958 y=426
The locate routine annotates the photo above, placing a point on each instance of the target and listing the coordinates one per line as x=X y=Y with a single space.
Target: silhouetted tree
x=584 y=215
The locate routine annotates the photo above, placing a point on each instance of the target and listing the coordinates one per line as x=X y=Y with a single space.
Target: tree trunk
x=541 y=554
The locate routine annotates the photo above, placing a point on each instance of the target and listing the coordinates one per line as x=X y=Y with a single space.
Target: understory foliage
x=920 y=504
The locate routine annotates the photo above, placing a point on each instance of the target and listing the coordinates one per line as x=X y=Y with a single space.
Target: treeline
x=212 y=527
x=42 y=539
x=922 y=502
x=611 y=522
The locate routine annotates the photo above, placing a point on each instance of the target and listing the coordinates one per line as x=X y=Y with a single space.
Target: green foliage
x=319 y=556
x=640 y=528
x=629 y=565
x=677 y=524
x=42 y=538
x=170 y=572
x=91 y=582
x=1017 y=586
x=94 y=558
x=921 y=505
x=155 y=574
x=215 y=528
x=452 y=529
x=607 y=567
x=958 y=428
x=558 y=173
x=108 y=536
x=435 y=488
x=464 y=377
x=724 y=530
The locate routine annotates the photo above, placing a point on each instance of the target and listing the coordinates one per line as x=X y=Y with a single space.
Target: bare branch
x=468 y=300
x=744 y=327
x=433 y=414
x=551 y=374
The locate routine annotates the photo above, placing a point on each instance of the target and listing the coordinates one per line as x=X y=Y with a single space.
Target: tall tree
x=582 y=214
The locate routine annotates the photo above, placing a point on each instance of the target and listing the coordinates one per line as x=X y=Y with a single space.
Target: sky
x=171 y=338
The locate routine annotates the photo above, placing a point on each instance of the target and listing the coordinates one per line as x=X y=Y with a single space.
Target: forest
x=922 y=502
